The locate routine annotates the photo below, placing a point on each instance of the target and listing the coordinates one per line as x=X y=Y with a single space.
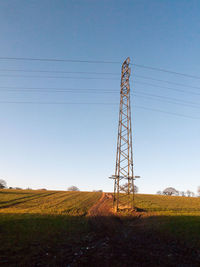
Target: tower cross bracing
x=124 y=156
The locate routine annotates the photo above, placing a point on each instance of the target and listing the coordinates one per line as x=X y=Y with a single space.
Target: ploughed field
x=57 y=228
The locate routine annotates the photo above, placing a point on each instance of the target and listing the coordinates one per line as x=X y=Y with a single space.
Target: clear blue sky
x=55 y=146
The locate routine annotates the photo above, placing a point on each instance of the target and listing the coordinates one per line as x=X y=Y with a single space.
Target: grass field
x=47 y=202
x=168 y=204
x=33 y=222
x=178 y=217
x=36 y=224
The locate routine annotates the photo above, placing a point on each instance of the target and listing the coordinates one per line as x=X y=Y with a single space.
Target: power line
x=61 y=91
x=97 y=103
x=170 y=98
x=165 y=81
x=96 y=73
x=56 y=103
x=97 y=78
x=167 y=71
x=168 y=101
x=157 y=98
x=92 y=73
x=102 y=91
x=59 y=60
x=58 y=77
x=170 y=113
x=54 y=90
x=168 y=88
x=53 y=71
x=98 y=62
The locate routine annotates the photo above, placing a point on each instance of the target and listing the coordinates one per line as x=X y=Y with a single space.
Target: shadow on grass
x=62 y=240
x=14 y=192
x=28 y=239
x=16 y=201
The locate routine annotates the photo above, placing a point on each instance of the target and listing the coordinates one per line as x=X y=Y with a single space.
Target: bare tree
x=198 y=191
x=188 y=193
x=73 y=188
x=124 y=188
x=170 y=191
x=182 y=193
x=2 y=184
x=192 y=194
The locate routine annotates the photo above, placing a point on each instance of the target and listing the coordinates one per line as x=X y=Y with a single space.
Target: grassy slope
x=33 y=222
x=46 y=202
x=175 y=216
x=168 y=204
x=178 y=217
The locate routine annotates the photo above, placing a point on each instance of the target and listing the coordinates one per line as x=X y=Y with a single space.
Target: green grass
x=167 y=205
x=47 y=202
x=177 y=217
x=36 y=222
x=185 y=228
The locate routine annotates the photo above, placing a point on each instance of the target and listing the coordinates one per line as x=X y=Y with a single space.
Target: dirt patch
x=103 y=207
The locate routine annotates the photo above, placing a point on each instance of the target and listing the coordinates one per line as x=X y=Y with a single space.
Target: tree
x=2 y=184
x=73 y=188
x=189 y=193
x=182 y=193
x=124 y=188
x=198 y=191
x=170 y=191
x=192 y=194
x=159 y=192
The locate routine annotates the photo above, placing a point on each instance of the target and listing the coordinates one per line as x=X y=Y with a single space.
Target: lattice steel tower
x=124 y=159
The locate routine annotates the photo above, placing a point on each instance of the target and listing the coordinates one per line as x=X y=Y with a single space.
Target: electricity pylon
x=124 y=158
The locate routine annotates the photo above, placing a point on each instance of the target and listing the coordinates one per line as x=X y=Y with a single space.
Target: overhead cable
x=99 y=62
